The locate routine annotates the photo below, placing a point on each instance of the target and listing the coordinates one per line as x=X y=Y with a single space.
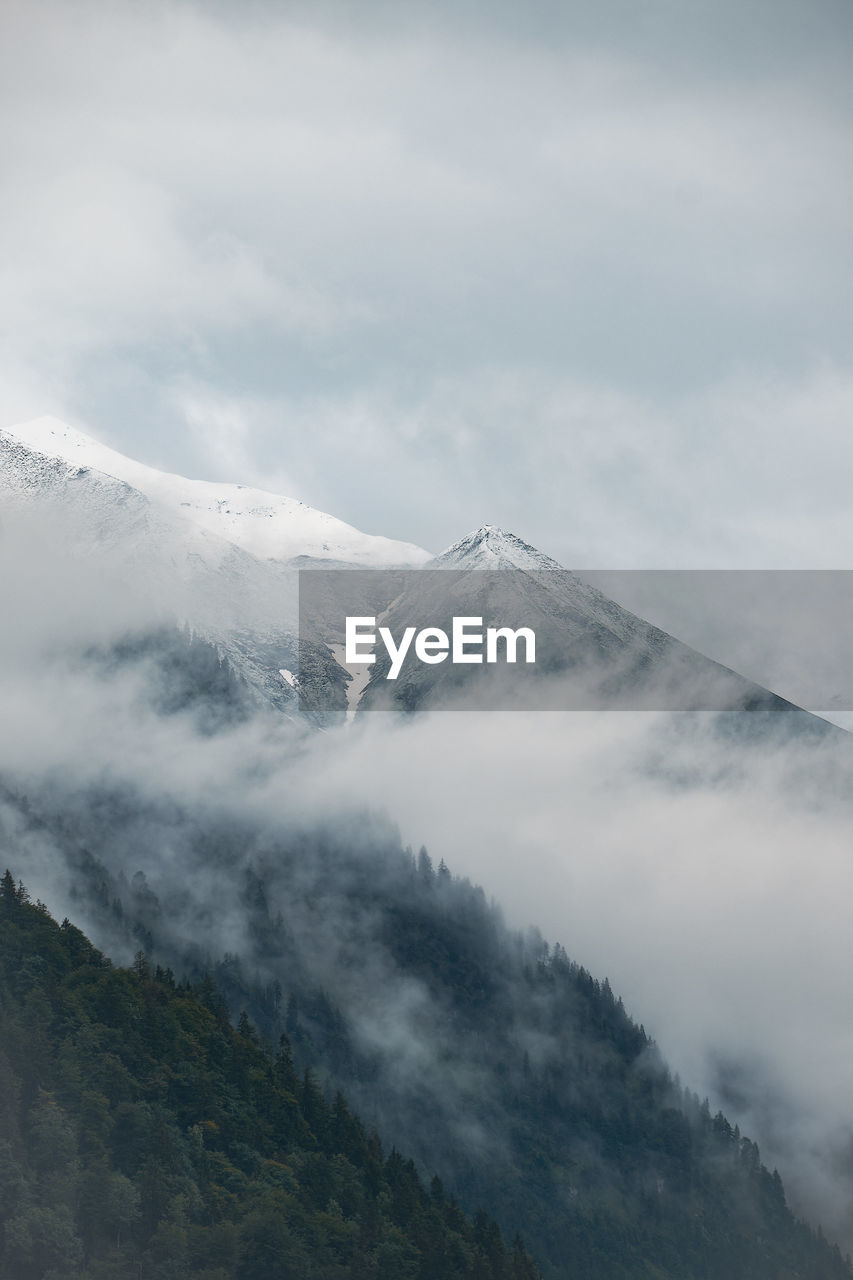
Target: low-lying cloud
x=706 y=875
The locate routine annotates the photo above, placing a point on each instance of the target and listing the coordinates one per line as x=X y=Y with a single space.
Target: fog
x=706 y=875
x=710 y=885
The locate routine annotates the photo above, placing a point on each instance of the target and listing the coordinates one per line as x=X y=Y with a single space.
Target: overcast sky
x=581 y=270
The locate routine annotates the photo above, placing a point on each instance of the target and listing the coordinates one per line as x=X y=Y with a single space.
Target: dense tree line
x=611 y=1168
x=143 y=1136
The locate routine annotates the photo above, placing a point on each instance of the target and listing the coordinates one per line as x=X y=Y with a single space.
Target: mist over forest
x=328 y=883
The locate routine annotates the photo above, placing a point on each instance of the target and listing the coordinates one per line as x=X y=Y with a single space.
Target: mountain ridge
x=200 y=571
x=268 y=525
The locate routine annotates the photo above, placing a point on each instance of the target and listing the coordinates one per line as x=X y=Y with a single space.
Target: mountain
x=148 y=791
x=590 y=651
x=492 y=548
x=220 y=561
x=91 y=536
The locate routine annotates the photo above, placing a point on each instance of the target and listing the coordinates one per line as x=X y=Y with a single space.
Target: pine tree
x=8 y=891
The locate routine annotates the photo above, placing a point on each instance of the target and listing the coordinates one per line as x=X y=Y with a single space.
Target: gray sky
x=579 y=270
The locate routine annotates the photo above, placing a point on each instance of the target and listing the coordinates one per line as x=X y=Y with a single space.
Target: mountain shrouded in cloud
x=223 y=560
x=219 y=559
x=487 y=1055
x=152 y=791
x=581 y=271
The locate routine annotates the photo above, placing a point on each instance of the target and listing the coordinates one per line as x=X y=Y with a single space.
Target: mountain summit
x=492 y=548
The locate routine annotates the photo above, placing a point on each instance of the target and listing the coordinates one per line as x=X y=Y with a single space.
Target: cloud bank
x=585 y=275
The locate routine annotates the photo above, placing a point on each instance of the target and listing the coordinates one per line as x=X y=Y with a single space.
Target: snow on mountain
x=114 y=563
x=492 y=548
x=266 y=525
x=579 y=604
x=96 y=516
x=222 y=559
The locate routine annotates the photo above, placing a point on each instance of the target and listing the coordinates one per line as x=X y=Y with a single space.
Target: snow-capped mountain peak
x=492 y=548
x=268 y=525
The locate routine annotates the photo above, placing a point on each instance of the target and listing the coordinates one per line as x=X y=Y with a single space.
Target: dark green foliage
x=141 y=1136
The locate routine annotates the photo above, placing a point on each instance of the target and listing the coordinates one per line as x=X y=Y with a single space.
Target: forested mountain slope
x=488 y=1056
x=142 y=1137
